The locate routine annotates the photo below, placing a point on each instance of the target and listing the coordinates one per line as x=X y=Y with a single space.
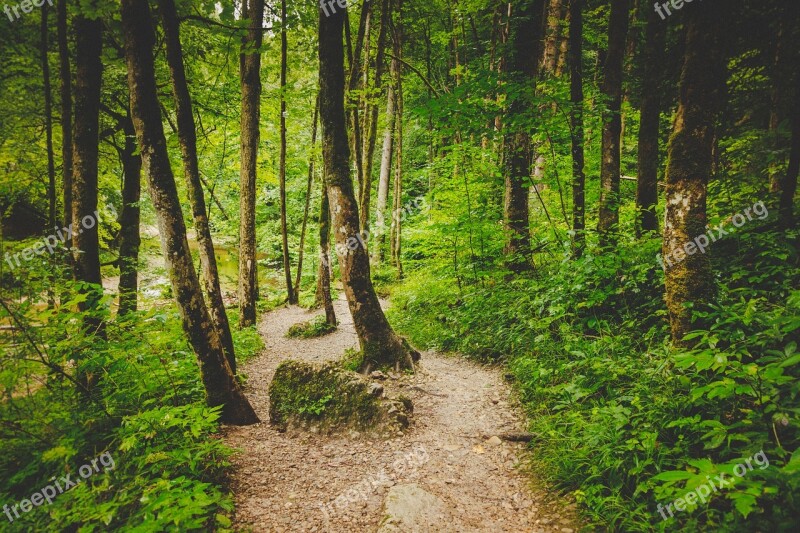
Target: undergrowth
x=623 y=421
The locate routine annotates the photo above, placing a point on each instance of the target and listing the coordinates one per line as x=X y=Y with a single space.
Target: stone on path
x=411 y=509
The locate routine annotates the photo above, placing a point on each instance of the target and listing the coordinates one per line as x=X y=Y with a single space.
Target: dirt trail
x=308 y=482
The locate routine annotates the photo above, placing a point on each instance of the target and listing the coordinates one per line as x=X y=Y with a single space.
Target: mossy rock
x=330 y=399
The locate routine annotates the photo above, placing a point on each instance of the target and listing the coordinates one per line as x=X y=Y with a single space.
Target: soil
x=312 y=482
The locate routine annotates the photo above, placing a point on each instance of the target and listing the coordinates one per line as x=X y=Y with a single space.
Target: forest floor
x=446 y=470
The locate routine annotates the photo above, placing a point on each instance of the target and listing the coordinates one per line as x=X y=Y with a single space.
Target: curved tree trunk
x=647 y=180
x=611 y=87
x=688 y=277
x=379 y=343
x=187 y=137
x=576 y=121
x=250 y=70
x=220 y=384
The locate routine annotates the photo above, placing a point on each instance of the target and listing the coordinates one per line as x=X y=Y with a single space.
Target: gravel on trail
x=451 y=453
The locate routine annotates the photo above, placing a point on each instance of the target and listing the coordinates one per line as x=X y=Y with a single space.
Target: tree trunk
x=576 y=121
x=324 y=297
x=611 y=87
x=187 y=137
x=379 y=343
x=354 y=100
x=372 y=114
x=521 y=67
x=398 y=171
x=647 y=180
x=311 y=161
x=66 y=113
x=291 y=295
x=788 y=185
x=398 y=183
x=250 y=71
x=220 y=384
x=48 y=121
x=688 y=276
x=553 y=38
x=129 y=220
x=386 y=165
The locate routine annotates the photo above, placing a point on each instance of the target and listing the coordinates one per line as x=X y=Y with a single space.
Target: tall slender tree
x=48 y=118
x=324 y=297
x=130 y=218
x=372 y=114
x=386 y=163
x=379 y=343
x=521 y=67
x=66 y=112
x=309 y=182
x=611 y=87
x=250 y=73
x=287 y=265
x=688 y=276
x=647 y=180
x=576 y=129
x=187 y=138
x=221 y=386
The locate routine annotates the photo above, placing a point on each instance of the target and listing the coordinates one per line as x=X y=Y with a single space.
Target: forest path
x=307 y=482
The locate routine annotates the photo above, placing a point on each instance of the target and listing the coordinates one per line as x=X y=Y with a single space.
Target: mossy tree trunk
x=187 y=137
x=221 y=386
x=688 y=277
x=379 y=343
x=250 y=72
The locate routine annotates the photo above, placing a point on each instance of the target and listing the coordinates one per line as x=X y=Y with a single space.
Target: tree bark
x=220 y=384
x=354 y=100
x=85 y=238
x=324 y=296
x=521 y=67
x=576 y=122
x=688 y=277
x=397 y=219
x=48 y=120
x=66 y=113
x=129 y=221
x=611 y=87
x=647 y=180
x=379 y=343
x=386 y=165
x=788 y=185
x=553 y=38
x=187 y=137
x=250 y=70
x=291 y=296
x=372 y=114
x=311 y=161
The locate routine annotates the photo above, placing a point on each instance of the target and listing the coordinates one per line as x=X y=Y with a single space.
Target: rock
x=410 y=508
x=494 y=441
x=375 y=389
x=377 y=374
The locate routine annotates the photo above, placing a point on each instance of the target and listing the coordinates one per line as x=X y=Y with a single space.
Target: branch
x=415 y=71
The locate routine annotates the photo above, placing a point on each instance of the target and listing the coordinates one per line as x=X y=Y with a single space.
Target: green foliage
x=622 y=421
